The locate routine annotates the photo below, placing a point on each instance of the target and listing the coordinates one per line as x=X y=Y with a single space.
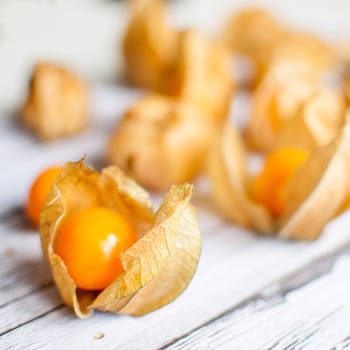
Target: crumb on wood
x=99 y=335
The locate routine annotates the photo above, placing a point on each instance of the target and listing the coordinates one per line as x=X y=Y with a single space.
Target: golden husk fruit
x=149 y=44
x=161 y=141
x=317 y=192
x=290 y=108
x=157 y=268
x=57 y=103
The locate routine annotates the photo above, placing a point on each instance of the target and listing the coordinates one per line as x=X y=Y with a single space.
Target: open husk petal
x=318 y=190
x=160 y=265
x=229 y=177
x=278 y=98
x=157 y=267
x=316 y=124
x=161 y=141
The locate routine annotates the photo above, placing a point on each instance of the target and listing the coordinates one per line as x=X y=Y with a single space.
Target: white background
x=85 y=34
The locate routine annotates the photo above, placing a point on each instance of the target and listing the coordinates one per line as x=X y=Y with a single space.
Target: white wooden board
x=235 y=266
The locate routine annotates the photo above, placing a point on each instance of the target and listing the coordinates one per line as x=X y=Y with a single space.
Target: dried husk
x=257 y=34
x=307 y=48
x=253 y=32
x=318 y=190
x=202 y=75
x=346 y=87
x=316 y=124
x=161 y=141
x=57 y=103
x=230 y=182
x=298 y=49
x=342 y=49
x=149 y=44
x=292 y=109
x=157 y=268
x=186 y=65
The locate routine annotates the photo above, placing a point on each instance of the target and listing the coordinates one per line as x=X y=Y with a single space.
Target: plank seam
x=34 y=319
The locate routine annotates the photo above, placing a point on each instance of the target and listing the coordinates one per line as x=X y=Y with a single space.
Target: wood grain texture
x=304 y=318
x=235 y=264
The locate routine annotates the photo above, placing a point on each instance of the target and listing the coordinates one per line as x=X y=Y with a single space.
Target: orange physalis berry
x=270 y=186
x=90 y=243
x=39 y=191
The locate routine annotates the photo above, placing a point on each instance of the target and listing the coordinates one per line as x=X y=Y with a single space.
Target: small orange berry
x=270 y=186
x=39 y=191
x=90 y=243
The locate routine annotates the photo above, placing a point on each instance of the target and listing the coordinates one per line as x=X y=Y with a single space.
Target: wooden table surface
x=249 y=292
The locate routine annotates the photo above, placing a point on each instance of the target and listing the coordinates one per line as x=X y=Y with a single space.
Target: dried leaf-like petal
x=161 y=141
x=292 y=109
x=318 y=189
x=278 y=98
x=160 y=265
x=229 y=177
x=202 y=74
x=157 y=268
x=57 y=103
x=149 y=44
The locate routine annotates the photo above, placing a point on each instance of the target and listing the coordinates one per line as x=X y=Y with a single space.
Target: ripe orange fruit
x=270 y=186
x=39 y=191
x=90 y=243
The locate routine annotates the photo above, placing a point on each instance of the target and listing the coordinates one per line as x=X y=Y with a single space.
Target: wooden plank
x=30 y=307
x=316 y=316
x=22 y=270
x=234 y=266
